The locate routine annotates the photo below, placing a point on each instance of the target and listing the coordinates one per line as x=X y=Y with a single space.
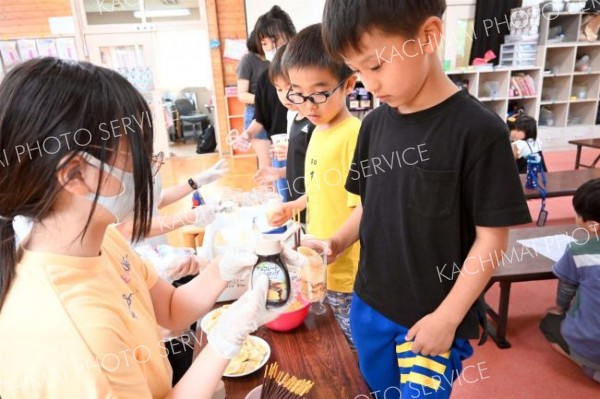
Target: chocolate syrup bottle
x=270 y=264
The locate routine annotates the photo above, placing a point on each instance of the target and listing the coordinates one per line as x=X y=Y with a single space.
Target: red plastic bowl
x=290 y=320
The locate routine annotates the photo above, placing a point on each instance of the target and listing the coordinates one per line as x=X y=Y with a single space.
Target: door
x=459 y=32
x=132 y=55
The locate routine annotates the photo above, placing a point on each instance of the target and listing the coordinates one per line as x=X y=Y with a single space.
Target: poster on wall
x=27 y=49
x=235 y=49
x=10 y=55
x=66 y=48
x=47 y=48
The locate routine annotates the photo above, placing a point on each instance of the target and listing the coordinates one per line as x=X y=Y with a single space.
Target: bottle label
x=278 y=282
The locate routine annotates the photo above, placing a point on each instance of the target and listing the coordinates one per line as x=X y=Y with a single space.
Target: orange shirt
x=82 y=327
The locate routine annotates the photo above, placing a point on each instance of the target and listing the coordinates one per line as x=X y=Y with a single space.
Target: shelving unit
x=235 y=120
x=492 y=88
x=570 y=93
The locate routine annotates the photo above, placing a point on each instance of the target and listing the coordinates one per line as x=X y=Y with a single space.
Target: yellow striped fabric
x=405 y=347
x=430 y=364
x=420 y=379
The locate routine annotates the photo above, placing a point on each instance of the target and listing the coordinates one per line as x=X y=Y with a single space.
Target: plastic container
x=558 y=5
x=550 y=93
x=491 y=88
x=546 y=117
x=580 y=92
x=575 y=7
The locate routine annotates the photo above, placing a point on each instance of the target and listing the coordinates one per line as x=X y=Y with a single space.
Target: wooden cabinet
x=235 y=119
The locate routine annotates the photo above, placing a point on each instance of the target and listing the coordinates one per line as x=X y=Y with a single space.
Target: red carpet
x=530 y=369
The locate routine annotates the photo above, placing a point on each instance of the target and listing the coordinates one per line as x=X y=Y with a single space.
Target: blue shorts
x=248 y=118
x=388 y=364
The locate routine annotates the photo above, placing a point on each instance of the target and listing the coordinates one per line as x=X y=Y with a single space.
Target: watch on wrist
x=192 y=184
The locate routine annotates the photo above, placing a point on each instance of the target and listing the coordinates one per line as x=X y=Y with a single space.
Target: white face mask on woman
x=122 y=204
x=270 y=54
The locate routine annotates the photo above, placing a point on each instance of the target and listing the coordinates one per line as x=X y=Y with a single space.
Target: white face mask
x=122 y=204
x=270 y=55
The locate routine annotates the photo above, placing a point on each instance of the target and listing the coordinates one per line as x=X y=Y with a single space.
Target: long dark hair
x=273 y=24
x=252 y=45
x=48 y=106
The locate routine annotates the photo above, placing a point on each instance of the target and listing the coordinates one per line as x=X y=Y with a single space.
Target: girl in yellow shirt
x=79 y=311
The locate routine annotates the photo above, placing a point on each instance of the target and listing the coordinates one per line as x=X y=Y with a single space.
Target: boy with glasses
x=319 y=86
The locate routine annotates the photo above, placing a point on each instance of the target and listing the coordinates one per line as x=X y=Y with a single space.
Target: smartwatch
x=192 y=184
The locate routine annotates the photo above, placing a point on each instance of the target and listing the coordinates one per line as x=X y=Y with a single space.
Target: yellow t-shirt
x=328 y=159
x=82 y=327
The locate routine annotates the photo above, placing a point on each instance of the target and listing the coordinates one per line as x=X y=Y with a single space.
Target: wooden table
x=522 y=266
x=591 y=143
x=317 y=351
x=560 y=184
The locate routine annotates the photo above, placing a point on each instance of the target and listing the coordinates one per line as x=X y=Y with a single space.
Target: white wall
x=302 y=12
x=183 y=59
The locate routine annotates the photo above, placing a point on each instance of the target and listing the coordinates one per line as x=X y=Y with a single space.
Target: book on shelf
x=523 y=85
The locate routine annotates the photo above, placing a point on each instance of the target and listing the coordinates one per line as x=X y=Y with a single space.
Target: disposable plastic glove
x=236 y=265
x=293 y=259
x=182 y=266
x=243 y=317
x=240 y=141
x=215 y=172
x=205 y=215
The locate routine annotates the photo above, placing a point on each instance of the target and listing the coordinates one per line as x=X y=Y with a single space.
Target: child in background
x=572 y=326
x=435 y=173
x=319 y=86
x=300 y=130
x=250 y=67
x=523 y=134
x=272 y=30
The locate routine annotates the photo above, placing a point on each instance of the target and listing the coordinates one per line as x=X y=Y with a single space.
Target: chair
x=190 y=117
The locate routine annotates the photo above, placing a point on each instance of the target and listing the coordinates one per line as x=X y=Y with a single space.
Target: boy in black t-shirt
x=439 y=188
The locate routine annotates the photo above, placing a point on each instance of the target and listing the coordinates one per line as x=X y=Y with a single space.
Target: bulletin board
x=13 y=52
x=302 y=12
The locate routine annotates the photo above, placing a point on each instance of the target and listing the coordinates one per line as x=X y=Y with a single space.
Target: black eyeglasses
x=156 y=162
x=315 y=98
